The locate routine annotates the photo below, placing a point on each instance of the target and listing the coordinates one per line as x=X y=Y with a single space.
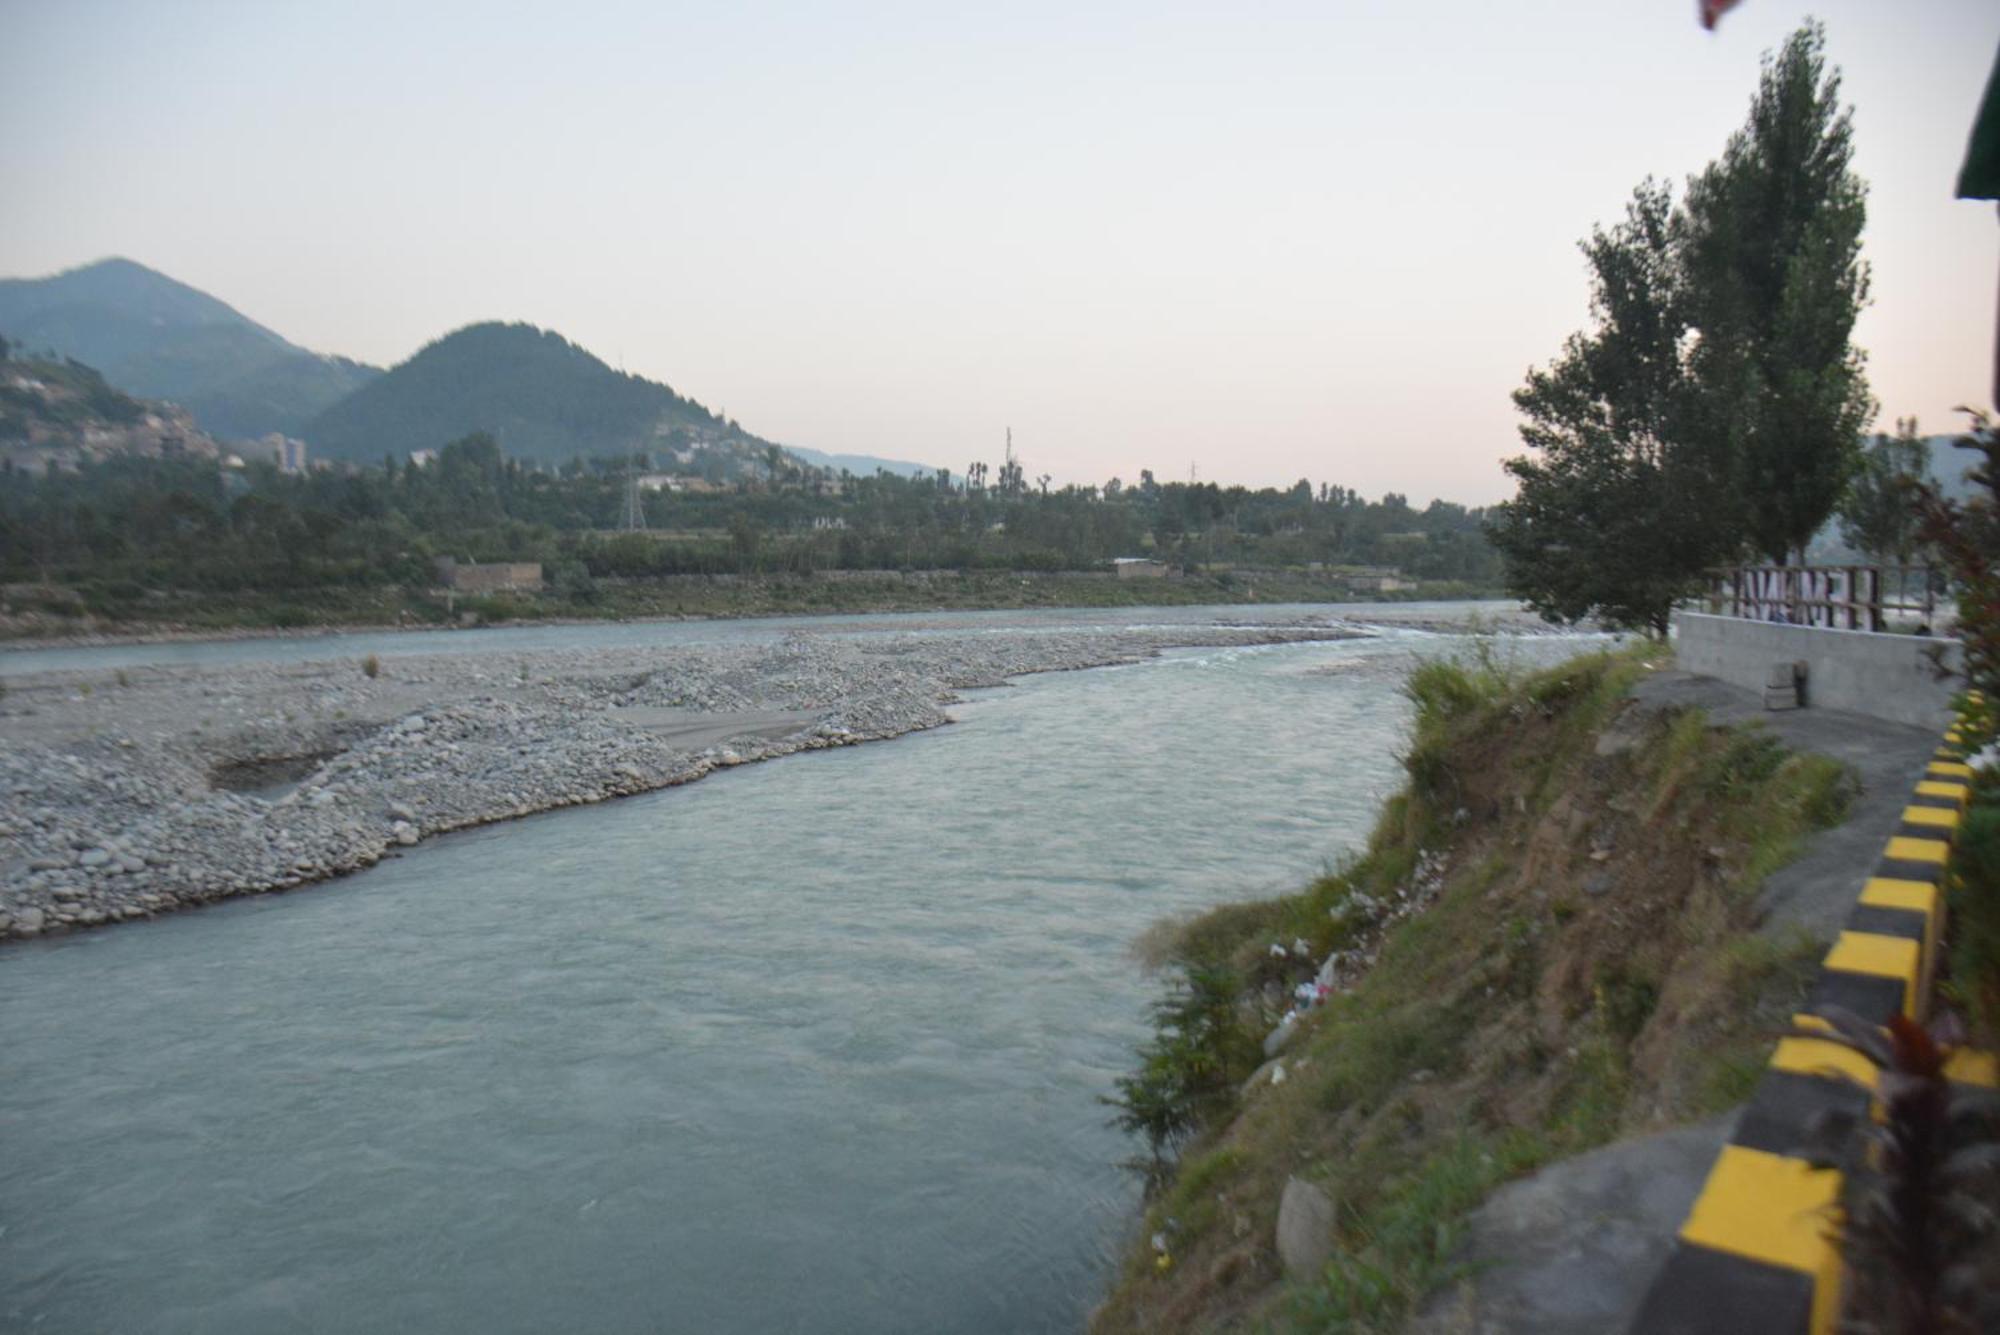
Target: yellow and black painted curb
x=1757 y=1252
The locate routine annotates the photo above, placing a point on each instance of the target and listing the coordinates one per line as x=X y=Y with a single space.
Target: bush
x=1199 y=1055
x=571 y=581
x=1974 y=914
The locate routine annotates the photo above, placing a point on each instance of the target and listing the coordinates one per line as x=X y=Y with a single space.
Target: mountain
x=861 y=465
x=543 y=398
x=157 y=338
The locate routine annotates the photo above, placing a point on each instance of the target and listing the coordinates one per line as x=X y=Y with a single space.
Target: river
x=812 y=1045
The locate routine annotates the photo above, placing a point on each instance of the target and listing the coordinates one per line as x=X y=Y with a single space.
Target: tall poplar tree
x=1774 y=280
x=1622 y=507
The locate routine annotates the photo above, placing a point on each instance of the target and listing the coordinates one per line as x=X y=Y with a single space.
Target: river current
x=811 y=1045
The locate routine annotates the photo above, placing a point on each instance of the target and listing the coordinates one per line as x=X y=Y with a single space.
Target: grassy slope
x=1586 y=970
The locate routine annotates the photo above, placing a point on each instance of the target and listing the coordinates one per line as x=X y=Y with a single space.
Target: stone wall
x=1893 y=677
x=489 y=577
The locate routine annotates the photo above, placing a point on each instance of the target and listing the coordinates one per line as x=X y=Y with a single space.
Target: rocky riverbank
x=131 y=793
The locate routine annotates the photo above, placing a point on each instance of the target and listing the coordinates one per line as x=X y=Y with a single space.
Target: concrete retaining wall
x=1891 y=677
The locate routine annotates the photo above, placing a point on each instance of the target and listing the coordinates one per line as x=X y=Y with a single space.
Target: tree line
x=186 y=524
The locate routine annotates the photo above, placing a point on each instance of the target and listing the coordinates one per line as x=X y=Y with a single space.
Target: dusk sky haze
x=1269 y=241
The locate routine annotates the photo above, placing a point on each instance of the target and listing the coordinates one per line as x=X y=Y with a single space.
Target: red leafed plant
x=1919 y=1204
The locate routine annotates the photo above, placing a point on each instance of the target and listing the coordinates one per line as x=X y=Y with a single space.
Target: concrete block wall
x=1893 y=677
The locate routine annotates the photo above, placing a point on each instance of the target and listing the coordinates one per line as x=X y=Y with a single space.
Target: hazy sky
x=1273 y=241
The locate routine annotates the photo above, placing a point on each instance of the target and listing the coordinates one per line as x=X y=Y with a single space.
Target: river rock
x=475 y=745
x=1306 y=1221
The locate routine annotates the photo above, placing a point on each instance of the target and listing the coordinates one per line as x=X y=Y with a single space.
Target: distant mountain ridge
x=861 y=465
x=156 y=337
x=542 y=398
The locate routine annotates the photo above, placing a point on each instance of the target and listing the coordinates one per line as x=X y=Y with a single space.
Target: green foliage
x=1623 y=508
x=183 y=524
x=1404 y=1240
x=1772 y=242
x=1717 y=403
x=572 y=582
x=544 y=398
x=1968 y=539
x=1974 y=914
x=1881 y=515
x=1200 y=1053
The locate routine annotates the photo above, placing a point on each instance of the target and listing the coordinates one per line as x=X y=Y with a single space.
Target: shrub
x=1199 y=1055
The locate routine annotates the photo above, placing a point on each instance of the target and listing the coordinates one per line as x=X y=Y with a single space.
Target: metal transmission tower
x=635 y=508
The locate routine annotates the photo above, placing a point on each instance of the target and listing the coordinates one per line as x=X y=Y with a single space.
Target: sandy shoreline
x=132 y=793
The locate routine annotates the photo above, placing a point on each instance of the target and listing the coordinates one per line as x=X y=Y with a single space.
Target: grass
x=1973 y=910
x=1589 y=969
x=1403 y=1242
x=57 y=611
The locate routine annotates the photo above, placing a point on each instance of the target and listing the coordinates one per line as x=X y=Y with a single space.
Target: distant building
x=423 y=458
x=288 y=454
x=1139 y=567
x=1376 y=580
x=488 y=577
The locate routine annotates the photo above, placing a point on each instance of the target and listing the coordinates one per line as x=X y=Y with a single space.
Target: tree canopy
x=1716 y=404
x=1624 y=505
x=1775 y=280
x=1879 y=516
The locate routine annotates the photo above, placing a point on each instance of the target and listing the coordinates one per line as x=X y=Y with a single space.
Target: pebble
x=88 y=815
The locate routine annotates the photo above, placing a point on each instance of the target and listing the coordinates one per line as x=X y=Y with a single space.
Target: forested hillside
x=156 y=338
x=542 y=398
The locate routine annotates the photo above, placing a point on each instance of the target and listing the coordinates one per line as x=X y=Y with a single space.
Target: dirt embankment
x=1551 y=943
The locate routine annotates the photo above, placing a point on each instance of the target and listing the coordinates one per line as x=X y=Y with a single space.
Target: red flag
x=1712 y=10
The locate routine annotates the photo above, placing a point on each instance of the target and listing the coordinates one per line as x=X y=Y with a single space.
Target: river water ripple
x=812 y=1045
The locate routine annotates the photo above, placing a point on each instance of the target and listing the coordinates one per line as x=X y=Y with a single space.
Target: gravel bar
x=129 y=794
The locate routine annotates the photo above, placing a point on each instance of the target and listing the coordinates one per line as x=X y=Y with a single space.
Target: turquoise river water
x=811 y=1045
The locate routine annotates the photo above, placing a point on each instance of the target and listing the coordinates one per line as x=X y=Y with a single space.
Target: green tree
x=1771 y=239
x=1621 y=508
x=1881 y=516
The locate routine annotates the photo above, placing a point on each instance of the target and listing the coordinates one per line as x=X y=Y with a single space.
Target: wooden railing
x=1837 y=597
